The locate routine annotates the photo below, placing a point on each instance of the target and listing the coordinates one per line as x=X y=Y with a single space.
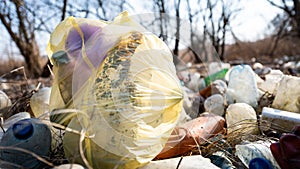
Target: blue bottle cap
x=260 y=163
x=23 y=129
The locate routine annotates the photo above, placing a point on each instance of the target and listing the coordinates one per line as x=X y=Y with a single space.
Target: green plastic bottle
x=219 y=75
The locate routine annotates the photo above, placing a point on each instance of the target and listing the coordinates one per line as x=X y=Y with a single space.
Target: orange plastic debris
x=191 y=134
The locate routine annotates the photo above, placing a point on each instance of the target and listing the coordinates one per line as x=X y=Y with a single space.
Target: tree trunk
x=33 y=65
x=177 y=37
x=297 y=16
x=31 y=55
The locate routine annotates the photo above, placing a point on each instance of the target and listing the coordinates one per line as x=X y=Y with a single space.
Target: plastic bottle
x=23 y=138
x=218 y=75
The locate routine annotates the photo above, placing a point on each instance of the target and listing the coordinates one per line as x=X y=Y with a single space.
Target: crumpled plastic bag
x=287 y=150
x=122 y=80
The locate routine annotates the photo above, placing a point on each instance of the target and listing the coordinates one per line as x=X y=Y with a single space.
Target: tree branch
x=63 y=11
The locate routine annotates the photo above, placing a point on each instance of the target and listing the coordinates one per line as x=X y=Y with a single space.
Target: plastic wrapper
x=125 y=87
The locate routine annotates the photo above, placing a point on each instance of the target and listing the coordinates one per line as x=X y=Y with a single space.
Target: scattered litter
x=192 y=134
x=113 y=104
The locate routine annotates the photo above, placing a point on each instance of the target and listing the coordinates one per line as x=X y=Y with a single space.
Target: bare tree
x=20 y=27
x=281 y=25
x=161 y=6
x=217 y=18
x=197 y=41
x=64 y=9
x=292 y=9
x=177 y=35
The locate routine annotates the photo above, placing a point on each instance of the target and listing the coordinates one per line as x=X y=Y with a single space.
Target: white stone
x=196 y=83
x=242 y=86
x=288 y=94
x=218 y=87
x=241 y=117
x=291 y=65
x=215 y=104
x=257 y=65
x=187 y=162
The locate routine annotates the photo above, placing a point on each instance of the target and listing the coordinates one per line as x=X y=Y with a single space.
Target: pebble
x=215 y=104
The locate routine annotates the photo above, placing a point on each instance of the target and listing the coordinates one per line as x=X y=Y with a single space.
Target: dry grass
x=7 y=65
x=262 y=49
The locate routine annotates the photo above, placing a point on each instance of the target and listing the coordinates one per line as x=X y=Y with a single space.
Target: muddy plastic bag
x=125 y=87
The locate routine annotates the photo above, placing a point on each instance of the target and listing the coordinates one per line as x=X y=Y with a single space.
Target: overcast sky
x=252 y=21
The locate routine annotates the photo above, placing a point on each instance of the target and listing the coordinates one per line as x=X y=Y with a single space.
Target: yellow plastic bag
x=64 y=50
x=124 y=84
